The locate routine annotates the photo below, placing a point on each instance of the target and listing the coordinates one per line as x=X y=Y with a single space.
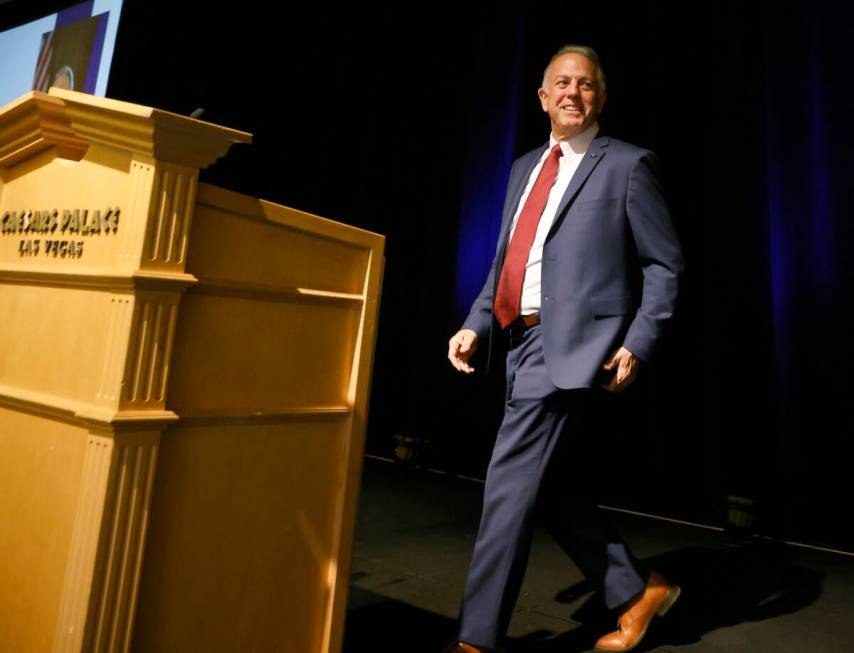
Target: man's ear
x=544 y=99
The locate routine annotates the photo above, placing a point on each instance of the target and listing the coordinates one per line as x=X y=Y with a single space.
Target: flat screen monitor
x=72 y=48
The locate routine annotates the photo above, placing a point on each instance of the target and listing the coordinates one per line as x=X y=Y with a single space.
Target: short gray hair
x=583 y=50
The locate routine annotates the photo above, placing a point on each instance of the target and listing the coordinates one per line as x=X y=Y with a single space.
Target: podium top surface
x=72 y=121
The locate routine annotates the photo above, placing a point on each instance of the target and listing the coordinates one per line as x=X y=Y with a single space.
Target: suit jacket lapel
x=516 y=188
x=595 y=153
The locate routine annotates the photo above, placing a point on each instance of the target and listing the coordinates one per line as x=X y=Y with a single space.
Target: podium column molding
x=105 y=556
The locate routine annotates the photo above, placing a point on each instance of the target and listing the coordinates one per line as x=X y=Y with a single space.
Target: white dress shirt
x=573 y=150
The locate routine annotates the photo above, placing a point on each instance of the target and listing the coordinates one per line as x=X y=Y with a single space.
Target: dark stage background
x=404 y=121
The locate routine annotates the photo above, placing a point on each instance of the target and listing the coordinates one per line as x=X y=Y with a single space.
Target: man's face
x=572 y=95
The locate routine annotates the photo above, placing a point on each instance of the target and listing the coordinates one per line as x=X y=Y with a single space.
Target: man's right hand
x=461 y=348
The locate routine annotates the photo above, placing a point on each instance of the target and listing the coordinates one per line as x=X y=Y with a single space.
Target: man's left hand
x=627 y=365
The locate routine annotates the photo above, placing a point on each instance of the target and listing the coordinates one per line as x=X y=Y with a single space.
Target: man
x=583 y=282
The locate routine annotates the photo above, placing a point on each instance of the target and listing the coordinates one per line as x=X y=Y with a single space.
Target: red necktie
x=509 y=294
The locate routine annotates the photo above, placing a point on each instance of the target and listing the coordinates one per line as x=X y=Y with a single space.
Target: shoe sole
x=672 y=595
x=666 y=603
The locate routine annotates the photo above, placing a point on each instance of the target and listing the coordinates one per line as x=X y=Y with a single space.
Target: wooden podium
x=184 y=376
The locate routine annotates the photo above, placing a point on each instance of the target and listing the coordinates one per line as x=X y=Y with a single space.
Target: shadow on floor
x=385 y=625
x=720 y=588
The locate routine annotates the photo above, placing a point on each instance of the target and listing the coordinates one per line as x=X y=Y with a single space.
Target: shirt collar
x=579 y=143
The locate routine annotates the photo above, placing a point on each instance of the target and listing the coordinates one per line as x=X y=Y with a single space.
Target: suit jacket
x=611 y=263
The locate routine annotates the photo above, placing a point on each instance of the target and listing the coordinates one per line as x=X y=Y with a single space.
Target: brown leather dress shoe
x=656 y=599
x=462 y=647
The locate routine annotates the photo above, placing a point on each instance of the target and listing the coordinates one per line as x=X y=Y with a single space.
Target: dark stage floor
x=415 y=534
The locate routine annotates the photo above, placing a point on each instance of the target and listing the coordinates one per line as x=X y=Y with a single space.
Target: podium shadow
x=385 y=625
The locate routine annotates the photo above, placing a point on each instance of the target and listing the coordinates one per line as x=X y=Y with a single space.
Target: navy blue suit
x=609 y=276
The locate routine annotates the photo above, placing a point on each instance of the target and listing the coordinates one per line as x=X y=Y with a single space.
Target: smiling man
x=573 y=94
x=584 y=280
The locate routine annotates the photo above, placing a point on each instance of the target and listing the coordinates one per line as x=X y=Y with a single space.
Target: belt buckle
x=529 y=321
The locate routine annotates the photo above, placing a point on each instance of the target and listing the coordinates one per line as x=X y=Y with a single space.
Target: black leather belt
x=517 y=328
